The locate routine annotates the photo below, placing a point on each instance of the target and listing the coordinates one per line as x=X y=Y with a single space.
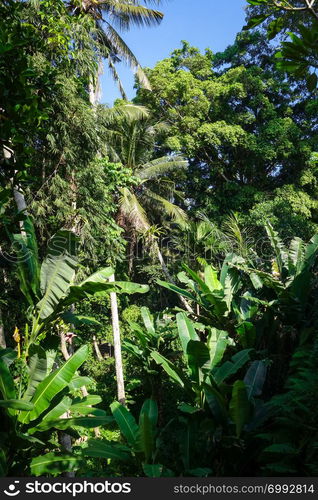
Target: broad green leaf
x=101 y=276
x=53 y=384
x=217 y=343
x=77 y=319
x=98 y=448
x=198 y=355
x=150 y=408
x=186 y=331
x=217 y=404
x=176 y=289
x=65 y=423
x=153 y=470
x=37 y=370
x=146 y=437
x=126 y=423
x=77 y=382
x=57 y=411
x=7 y=387
x=211 y=279
x=3 y=464
x=16 y=404
x=247 y=334
x=132 y=349
x=54 y=463
x=200 y=472
x=90 y=400
x=98 y=289
x=88 y=410
x=255 y=378
x=283 y=448
x=240 y=408
x=28 y=267
x=148 y=321
x=57 y=272
x=8 y=355
x=168 y=367
x=230 y=368
x=186 y=408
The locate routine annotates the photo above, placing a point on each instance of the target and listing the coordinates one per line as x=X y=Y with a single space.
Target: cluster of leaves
x=298 y=56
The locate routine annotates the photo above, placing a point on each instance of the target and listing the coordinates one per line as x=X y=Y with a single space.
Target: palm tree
x=114 y=16
x=132 y=141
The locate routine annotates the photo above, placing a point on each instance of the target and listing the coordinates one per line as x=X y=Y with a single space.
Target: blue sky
x=203 y=23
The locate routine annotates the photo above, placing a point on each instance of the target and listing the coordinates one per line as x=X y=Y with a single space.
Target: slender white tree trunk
x=117 y=346
x=93 y=98
x=97 y=350
x=3 y=343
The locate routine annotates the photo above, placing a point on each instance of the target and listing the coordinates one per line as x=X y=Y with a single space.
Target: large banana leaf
x=28 y=266
x=229 y=368
x=100 y=289
x=240 y=407
x=150 y=408
x=57 y=272
x=217 y=343
x=66 y=423
x=255 y=378
x=53 y=384
x=77 y=382
x=8 y=355
x=39 y=366
x=7 y=387
x=186 y=331
x=146 y=438
x=198 y=355
x=148 y=321
x=90 y=400
x=126 y=423
x=53 y=463
x=152 y=470
x=168 y=367
x=57 y=411
x=98 y=448
x=16 y=404
x=211 y=279
x=147 y=428
x=176 y=289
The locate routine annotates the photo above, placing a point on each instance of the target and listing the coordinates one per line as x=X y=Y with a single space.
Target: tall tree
x=247 y=132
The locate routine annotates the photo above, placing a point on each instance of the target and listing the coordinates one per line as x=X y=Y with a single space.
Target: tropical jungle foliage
x=159 y=258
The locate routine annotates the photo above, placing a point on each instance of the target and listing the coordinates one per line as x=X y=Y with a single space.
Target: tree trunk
x=3 y=343
x=93 y=97
x=170 y=278
x=117 y=346
x=97 y=350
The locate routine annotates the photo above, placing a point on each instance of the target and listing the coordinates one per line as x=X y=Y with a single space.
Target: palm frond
x=127 y=13
x=116 y=78
x=172 y=210
x=161 y=167
x=128 y=112
x=133 y=212
x=121 y=48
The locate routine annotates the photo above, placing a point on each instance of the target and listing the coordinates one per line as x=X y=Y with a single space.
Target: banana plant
x=49 y=404
x=221 y=395
x=156 y=334
x=141 y=440
x=221 y=299
x=209 y=382
x=50 y=288
x=287 y=285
